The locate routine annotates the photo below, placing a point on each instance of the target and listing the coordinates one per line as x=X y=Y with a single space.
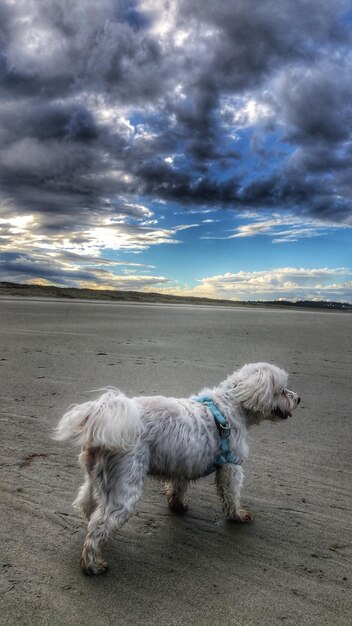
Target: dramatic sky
x=184 y=146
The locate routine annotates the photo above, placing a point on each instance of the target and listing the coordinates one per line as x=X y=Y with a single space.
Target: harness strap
x=225 y=455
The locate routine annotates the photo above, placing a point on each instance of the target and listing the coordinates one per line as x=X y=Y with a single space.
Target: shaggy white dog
x=124 y=439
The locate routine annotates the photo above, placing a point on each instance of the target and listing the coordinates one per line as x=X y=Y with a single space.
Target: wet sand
x=293 y=565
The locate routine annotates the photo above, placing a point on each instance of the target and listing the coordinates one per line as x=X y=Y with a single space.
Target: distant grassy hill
x=50 y=291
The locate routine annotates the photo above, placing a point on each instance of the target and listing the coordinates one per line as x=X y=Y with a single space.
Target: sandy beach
x=293 y=565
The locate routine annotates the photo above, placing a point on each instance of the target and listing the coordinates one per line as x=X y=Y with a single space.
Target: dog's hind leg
x=118 y=484
x=175 y=492
x=229 y=479
x=85 y=500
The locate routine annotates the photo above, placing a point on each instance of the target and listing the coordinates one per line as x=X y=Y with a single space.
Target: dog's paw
x=241 y=517
x=177 y=506
x=93 y=567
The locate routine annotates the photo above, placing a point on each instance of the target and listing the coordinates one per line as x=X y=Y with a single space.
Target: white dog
x=124 y=439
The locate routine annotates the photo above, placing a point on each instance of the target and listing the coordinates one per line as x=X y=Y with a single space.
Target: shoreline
x=106 y=295
x=265 y=308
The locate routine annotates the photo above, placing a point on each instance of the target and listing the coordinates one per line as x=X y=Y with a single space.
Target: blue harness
x=225 y=455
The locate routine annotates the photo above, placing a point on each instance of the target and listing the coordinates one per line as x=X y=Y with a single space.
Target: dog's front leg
x=229 y=479
x=175 y=492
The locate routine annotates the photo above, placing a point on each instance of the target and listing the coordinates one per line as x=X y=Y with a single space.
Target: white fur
x=113 y=421
x=124 y=439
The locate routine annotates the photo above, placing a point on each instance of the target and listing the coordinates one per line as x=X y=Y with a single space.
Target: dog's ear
x=255 y=386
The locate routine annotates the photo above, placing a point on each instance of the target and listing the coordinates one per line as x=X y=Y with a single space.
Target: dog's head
x=261 y=390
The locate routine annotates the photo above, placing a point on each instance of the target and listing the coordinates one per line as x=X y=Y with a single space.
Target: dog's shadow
x=159 y=552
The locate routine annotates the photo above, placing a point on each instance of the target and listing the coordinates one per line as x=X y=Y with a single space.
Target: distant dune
x=50 y=291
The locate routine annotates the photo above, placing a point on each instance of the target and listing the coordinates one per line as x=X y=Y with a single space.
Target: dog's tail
x=112 y=421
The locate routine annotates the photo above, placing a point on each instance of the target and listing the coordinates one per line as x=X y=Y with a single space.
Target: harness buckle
x=226 y=429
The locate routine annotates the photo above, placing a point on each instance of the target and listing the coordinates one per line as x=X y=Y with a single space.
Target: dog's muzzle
x=281 y=414
x=285 y=414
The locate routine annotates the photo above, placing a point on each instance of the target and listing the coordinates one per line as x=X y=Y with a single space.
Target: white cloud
x=243 y=112
x=285 y=283
x=128 y=227
x=164 y=17
x=284 y=228
x=138 y=211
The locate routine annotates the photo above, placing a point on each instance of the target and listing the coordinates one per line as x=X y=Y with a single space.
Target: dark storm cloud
x=22 y=264
x=251 y=38
x=158 y=179
x=306 y=196
x=71 y=71
x=317 y=104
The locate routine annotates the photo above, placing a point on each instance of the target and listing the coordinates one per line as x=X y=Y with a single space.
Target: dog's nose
x=298 y=400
